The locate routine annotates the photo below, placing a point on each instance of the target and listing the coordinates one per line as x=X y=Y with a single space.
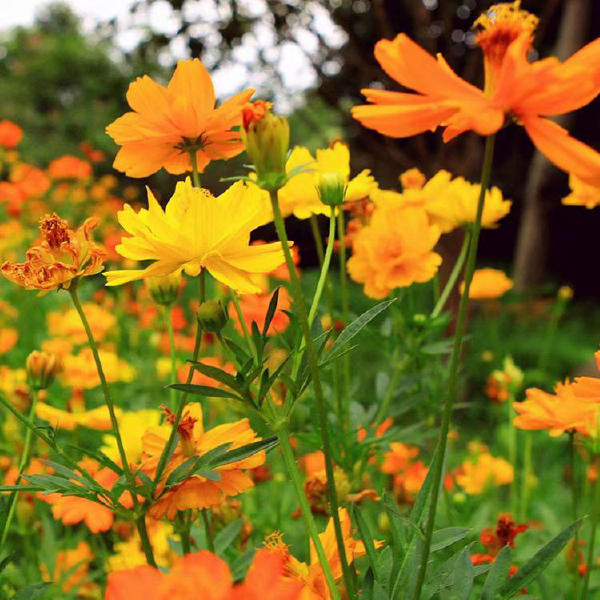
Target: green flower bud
x=331 y=189
x=164 y=288
x=212 y=316
x=41 y=369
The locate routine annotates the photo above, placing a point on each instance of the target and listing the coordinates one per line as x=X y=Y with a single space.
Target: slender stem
x=292 y=468
x=169 y=324
x=526 y=481
x=210 y=542
x=452 y=384
x=593 y=524
x=345 y=316
x=324 y=269
x=195 y=174
x=391 y=388
x=22 y=466
x=575 y=511
x=244 y=326
x=162 y=463
x=105 y=389
x=140 y=524
x=512 y=452
x=458 y=265
x=311 y=353
x=316 y=232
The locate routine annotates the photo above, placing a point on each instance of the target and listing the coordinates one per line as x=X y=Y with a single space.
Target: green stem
x=593 y=524
x=512 y=452
x=311 y=353
x=210 y=542
x=575 y=511
x=324 y=269
x=244 y=325
x=452 y=384
x=345 y=316
x=526 y=481
x=140 y=524
x=105 y=389
x=316 y=232
x=195 y=174
x=309 y=522
x=169 y=325
x=22 y=466
x=391 y=388
x=162 y=463
x=458 y=265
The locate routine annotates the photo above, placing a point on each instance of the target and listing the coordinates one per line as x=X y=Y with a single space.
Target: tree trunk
x=534 y=234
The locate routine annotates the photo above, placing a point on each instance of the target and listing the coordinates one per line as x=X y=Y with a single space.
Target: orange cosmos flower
x=560 y=412
x=69 y=167
x=63 y=256
x=514 y=87
x=394 y=250
x=71 y=570
x=10 y=134
x=587 y=389
x=474 y=476
x=168 y=123
x=398 y=458
x=8 y=339
x=206 y=576
x=71 y=510
x=30 y=180
x=197 y=491
x=488 y=284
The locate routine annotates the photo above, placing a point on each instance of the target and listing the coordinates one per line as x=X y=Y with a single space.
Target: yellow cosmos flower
x=198 y=231
x=488 y=284
x=79 y=370
x=67 y=324
x=449 y=202
x=300 y=196
x=476 y=474
x=132 y=425
x=394 y=250
x=96 y=418
x=582 y=194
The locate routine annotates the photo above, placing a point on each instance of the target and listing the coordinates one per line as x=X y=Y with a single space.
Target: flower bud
x=267 y=139
x=331 y=189
x=565 y=292
x=41 y=369
x=212 y=316
x=164 y=289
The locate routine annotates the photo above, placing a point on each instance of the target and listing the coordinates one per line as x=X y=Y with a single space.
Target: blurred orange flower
x=71 y=570
x=254 y=308
x=477 y=473
x=394 y=250
x=10 y=134
x=168 y=123
x=62 y=256
x=8 y=339
x=198 y=491
x=69 y=167
x=514 y=88
x=488 y=284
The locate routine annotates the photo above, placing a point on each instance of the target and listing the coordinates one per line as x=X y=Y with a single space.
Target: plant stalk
x=169 y=325
x=452 y=384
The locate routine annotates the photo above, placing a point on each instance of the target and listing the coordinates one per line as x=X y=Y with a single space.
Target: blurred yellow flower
x=300 y=195
x=394 y=250
x=79 y=370
x=198 y=231
x=582 y=194
x=67 y=324
x=132 y=425
x=488 y=284
x=475 y=475
x=96 y=418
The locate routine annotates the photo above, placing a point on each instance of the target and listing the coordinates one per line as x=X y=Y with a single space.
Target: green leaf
x=217 y=374
x=270 y=312
x=204 y=390
x=21 y=488
x=50 y=482
x=367 y=539
x=227 y=535
x=101 y=458
x=497 y=575
x=531 y=569
x=240 y=354
x=244 y=452
x=442 y=538
x=354 y=328
x=464 y=574
x=416 y=514
x=69 y=474
x=240 y=565
x=31 y=592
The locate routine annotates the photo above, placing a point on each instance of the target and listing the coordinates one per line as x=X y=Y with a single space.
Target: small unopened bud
x=164 y=289
x=331 y=189
x=565 y=292
x=267 y=139
x=41 y=369
x=212 y=316
x=412 y=179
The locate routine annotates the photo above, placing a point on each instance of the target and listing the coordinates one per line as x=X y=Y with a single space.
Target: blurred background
x=65 y=68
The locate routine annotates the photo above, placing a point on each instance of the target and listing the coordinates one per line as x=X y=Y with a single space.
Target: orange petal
x=564 y=151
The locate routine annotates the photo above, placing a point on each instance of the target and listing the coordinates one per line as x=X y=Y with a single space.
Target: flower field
x=191 y=409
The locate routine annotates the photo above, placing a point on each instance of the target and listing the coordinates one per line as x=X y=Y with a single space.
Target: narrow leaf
x=227 y=535
x=217 y=374
x=367 y=539
x=497 y=575
x=204 y=390
x=270 y=313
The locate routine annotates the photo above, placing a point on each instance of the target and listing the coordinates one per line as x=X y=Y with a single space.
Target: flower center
x=55 y=230
x=497 y=29
x=185 y=430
